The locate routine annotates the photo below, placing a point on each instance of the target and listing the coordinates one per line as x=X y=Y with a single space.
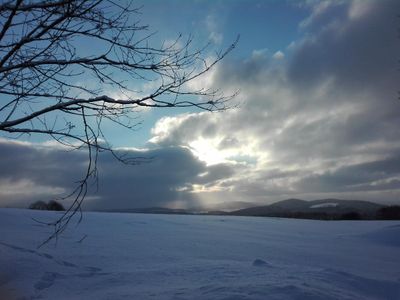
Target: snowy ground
x=137 y=256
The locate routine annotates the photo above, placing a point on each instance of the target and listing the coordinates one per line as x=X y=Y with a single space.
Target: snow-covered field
x=137 y=256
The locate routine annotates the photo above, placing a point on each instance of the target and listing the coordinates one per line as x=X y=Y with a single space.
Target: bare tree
x=62 y=61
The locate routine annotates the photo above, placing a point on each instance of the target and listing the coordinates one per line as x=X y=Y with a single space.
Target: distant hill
x=323 y=209
x=229 y=206
x=222 y=208
x=153 y=210
x=317 y=209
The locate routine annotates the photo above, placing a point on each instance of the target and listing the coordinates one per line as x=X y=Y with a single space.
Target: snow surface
x=323 y=205
x=138 y=256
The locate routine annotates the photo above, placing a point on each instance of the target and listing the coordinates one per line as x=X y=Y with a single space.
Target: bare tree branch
x=61 y=62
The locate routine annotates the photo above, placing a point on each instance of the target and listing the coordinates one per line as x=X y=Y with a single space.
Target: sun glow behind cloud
x=207 y=151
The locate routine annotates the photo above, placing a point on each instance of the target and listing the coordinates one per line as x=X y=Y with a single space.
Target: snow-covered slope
x=138 y=256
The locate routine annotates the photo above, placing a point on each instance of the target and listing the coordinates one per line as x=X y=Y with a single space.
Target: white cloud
x=359 y=8
x=278 y=55
x=212 y=26
x=259 y=53
x=205 y=81
x=216 y=37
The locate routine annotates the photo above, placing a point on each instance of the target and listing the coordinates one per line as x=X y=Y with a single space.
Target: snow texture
x=138 y=256
x=323 y=205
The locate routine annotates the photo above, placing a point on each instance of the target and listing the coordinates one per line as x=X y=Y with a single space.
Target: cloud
x=278 y=55
x=319 y=120
x=311 y=123
x=31 y=173
x=212 y=26
x=37 y=172
x=353 y=43
x=376 y=175
x=150 y=184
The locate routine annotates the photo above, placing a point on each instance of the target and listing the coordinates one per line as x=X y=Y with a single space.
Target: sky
x=317 y=116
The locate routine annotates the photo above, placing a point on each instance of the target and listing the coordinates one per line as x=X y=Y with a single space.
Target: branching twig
x=51 y=84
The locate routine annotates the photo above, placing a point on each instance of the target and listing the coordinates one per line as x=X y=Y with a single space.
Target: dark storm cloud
x=352 y=48
x=377 y=175
x=159 y=182
x=30 y=173
x=155 y=183
x=39 y=164
x=356 y=42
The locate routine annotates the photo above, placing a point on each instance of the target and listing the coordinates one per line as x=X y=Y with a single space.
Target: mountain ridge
x=321 y=208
